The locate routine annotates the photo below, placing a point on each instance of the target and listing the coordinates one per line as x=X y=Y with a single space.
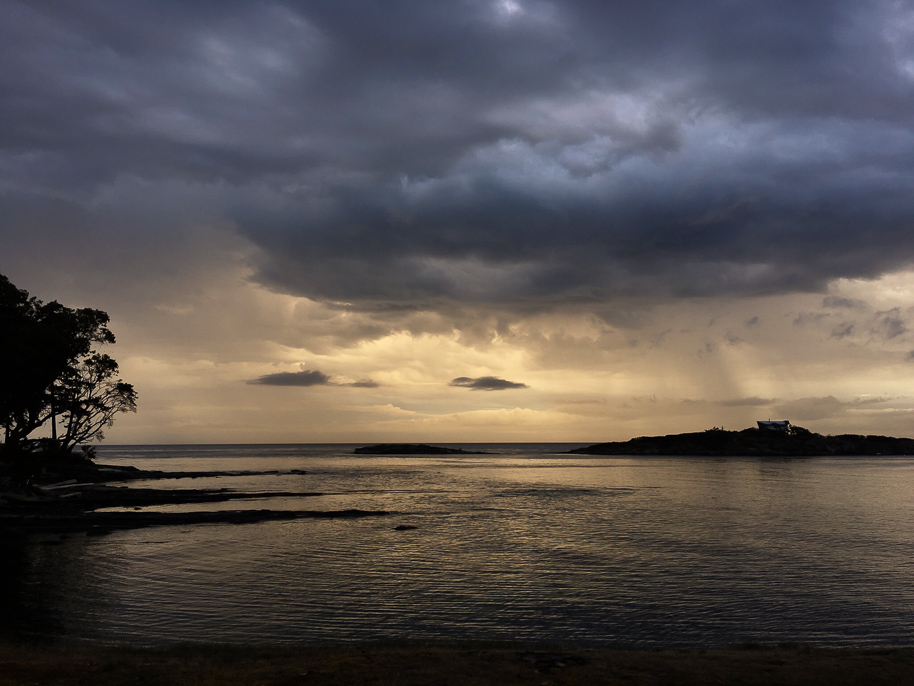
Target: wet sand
x=459 y=664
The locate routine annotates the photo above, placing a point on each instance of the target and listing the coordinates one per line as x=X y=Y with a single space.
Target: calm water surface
x=527 y=544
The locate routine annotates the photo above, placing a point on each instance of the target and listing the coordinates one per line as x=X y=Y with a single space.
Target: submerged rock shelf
x=67 y=498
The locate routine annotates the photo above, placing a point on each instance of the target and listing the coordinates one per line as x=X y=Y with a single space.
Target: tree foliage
x=51 y=373
x=88 y=398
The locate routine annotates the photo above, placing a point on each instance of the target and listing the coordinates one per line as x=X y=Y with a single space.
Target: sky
x=472 y=220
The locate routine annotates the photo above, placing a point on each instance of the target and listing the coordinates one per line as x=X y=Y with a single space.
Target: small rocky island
x=412 y=449
x=785 y=441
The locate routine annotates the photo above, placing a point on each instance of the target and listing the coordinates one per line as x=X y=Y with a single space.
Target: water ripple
x=524 y=546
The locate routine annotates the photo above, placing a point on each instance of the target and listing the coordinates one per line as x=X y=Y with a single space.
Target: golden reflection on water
x=523 y=545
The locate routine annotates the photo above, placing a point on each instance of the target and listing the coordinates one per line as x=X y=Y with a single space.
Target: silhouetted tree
x=49 y=369
x=88 y=398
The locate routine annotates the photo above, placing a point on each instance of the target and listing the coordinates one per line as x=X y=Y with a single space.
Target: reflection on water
x=521 y=545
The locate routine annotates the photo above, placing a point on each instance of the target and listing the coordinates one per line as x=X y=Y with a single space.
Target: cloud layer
x=660 y=216
x=529 y=153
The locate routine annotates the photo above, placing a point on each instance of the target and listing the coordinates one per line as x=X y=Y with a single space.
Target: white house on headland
x=774 y=426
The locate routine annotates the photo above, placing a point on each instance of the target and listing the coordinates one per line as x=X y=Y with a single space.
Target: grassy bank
x=448 y=664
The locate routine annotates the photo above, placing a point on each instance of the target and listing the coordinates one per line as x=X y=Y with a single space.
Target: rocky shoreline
x=70 y=498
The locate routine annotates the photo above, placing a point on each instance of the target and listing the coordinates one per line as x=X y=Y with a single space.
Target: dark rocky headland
x=797 y=442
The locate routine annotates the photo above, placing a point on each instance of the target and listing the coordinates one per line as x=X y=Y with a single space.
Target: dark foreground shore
x=450 y=664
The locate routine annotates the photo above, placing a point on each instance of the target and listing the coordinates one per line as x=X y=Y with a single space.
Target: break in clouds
x=411 y=155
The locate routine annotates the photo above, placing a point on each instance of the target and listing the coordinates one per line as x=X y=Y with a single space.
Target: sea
x=525 y=543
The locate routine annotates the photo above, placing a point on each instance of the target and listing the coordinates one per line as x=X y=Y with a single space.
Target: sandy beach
x=455 y=664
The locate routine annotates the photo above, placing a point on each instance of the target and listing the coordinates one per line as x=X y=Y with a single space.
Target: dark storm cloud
x=303 y=378
x=364 y=383
x=486 y=383
x=413 y=154
x=307 y=377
